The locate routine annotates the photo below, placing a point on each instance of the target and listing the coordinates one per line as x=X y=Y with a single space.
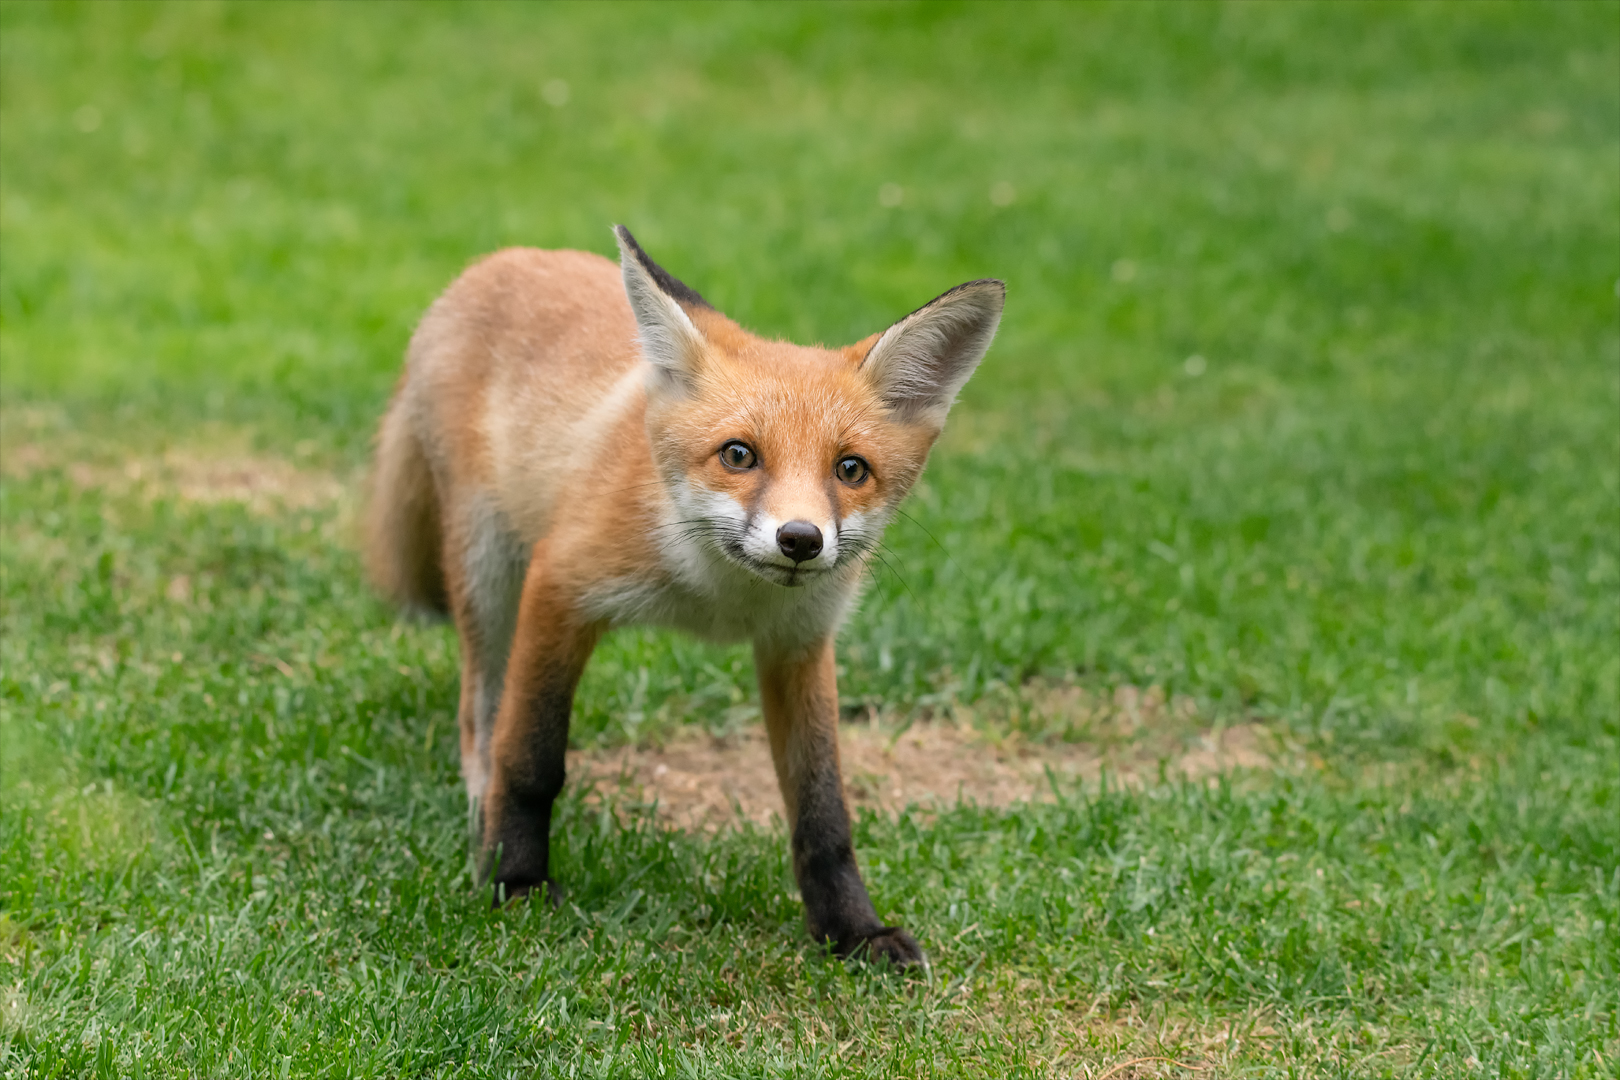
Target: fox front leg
x=799 y=692
x=530 y=740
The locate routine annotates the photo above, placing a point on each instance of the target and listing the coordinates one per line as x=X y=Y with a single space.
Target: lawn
x=1305 y=411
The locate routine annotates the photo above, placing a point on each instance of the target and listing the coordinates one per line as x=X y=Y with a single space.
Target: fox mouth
x=793 y=577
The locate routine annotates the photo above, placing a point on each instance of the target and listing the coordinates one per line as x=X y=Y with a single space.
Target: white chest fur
x=710 y=598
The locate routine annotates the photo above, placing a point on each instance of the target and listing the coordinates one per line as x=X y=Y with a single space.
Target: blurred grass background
x=1306 y=405
x=1387 y=233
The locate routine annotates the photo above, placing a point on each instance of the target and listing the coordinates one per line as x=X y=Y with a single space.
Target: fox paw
x=889 y=945
x=508 y=891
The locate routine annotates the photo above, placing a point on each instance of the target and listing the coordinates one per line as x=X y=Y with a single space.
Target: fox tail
x=403 y=528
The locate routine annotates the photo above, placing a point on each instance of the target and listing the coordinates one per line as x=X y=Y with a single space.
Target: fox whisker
x=897 y=575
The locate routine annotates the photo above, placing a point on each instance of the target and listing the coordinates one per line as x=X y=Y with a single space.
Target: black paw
x=888 y=945
x=508 y=891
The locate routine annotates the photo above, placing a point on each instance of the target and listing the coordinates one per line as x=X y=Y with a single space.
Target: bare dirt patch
x=216 y=464
x=262 y=484
x=697 y=780
x=995 y=752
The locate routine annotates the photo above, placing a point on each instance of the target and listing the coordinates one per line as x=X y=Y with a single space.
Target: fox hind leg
x=488 y=562
x=480 y=699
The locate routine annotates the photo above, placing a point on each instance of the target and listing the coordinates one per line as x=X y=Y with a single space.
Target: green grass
x=1381 y=517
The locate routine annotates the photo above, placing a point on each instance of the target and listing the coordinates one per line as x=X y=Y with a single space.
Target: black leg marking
x=517 y=851
x=836 y=904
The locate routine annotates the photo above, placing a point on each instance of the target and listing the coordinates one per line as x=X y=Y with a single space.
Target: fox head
x=789 y=460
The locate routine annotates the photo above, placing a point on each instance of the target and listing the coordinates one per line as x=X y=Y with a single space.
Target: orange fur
x=553 y=465
x=402 y=525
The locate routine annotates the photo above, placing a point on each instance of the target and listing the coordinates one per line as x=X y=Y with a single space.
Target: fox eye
x=852 y=470
x=737 y=455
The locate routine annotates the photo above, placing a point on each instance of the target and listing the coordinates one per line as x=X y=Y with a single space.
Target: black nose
x=799 y=540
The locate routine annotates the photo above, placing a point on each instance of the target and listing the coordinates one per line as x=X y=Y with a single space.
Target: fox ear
x=669 y=340
x=921 y=362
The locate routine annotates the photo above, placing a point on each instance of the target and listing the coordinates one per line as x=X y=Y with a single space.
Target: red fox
x=575 y=446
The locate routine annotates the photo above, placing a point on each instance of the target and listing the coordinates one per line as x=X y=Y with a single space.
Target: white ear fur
x=669 y=341
x=921 y=362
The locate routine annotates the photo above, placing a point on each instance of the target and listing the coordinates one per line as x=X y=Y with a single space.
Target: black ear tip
x=978 y=285
x=984 y=290
x=671 y=285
